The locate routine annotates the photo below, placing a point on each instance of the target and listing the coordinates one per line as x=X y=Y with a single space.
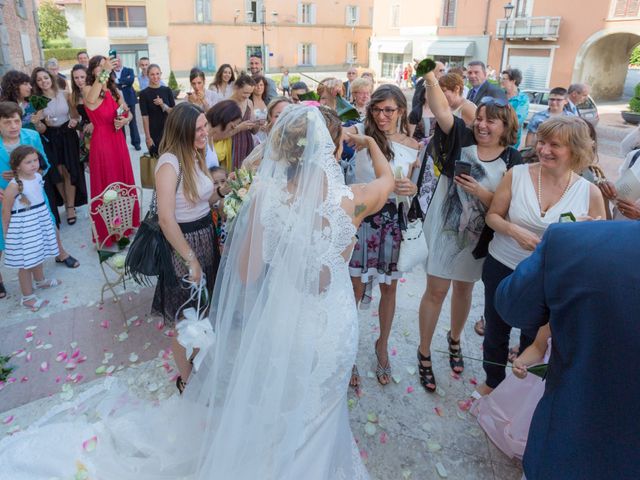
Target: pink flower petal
x=402 y=280
x=394 y=352
x=439 y=411
x=8 y=420
x=24 y=379
x=44 y=367
x=12 y=380
x=28 y=357
x=76 y=353
x=90 y=444
x=61 y=357
x=29 y=334
x=455 y=375
x=465 y=405
x=82 y=358
x=58 y=379
x=473 y=381
x=364 y=455
x=104 y=324
x=70 y=366
x=409 y=389
x=160 y=326
x=383 y=438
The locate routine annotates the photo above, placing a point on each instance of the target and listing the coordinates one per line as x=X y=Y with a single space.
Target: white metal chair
x=115 y=208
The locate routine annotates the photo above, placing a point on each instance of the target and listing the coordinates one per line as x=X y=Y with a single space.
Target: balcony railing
x=538 y=28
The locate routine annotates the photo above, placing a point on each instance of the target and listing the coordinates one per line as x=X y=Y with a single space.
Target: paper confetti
x=8 y=420
x=383 y=438
x=441 y=470
x=370 y=429
x=123 y=336
x=90 y=445
x=439 y=411
x=433 y=446
x=409 y=389
x=44 y=367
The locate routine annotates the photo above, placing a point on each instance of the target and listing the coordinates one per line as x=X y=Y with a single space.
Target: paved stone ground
x=59 y=350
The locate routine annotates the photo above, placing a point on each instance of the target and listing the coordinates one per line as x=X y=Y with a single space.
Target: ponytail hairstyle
x=16 y=158
x=382 y=93
x=91 y=78
x=76 y=93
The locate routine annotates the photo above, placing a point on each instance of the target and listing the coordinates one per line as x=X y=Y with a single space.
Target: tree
x=635 y=56
x=52 y=22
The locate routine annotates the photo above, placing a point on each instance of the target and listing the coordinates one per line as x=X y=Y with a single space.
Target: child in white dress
x=30 y=235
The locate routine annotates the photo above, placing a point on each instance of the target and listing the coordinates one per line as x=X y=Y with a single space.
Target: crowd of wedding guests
x=485 y=185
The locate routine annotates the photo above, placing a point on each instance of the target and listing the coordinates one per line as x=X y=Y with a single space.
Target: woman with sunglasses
x=376 y=251
x=472 y=161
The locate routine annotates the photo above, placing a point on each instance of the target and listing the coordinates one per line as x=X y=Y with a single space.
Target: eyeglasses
x=500 y=102
x=388 y=112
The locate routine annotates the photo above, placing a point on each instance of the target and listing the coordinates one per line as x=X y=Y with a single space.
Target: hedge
x=61 y=53
x=635 y=56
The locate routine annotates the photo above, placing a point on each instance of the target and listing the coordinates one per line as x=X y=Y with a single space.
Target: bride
x=268 y=401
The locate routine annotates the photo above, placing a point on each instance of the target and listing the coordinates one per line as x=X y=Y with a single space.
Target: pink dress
x=505 y=414
x=109 y=159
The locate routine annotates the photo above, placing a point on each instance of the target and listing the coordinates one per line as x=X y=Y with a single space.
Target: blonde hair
x=178 y=139
x=331 y=85
x=572 y=132
x=361 y=84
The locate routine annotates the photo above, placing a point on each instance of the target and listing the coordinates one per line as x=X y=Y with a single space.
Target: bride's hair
x=334 y=125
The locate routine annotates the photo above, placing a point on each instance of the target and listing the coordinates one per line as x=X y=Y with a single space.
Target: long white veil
x=265 y=388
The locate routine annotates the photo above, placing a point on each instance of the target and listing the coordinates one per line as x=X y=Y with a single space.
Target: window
x=127 y=17
x=307 y=13
x=254 y=10
x=203 y=11
x=206 y=57
x=524 y=8
x=352 y=52
x=626 y=8
x=131 y=53
x=389 y=63
x=353 y=15
x=395 y=16
x=306 y=54
x=448 y=13
x=21 y=10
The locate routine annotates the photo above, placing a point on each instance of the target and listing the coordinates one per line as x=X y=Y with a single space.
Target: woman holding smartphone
x=109 y=159
x=472 y=161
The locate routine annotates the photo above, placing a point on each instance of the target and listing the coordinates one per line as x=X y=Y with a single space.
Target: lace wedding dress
x=269 y=401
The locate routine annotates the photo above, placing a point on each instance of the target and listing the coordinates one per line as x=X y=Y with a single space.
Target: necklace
x=566 y=189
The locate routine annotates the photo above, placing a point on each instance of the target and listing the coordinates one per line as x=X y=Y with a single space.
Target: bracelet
x=104 y=76
x=219 y=193
x=429 y=85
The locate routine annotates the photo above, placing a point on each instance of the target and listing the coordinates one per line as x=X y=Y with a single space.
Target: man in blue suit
x=124 y=79
x=585 y=280
x=480 y=86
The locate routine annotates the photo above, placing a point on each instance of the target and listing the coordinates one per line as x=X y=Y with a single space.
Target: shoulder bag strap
x=153 y=206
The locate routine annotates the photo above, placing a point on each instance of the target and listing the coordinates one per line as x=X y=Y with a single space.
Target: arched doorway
x=603 y=60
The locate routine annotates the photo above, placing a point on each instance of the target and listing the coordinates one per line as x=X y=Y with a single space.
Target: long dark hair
x=386 y=92
x=91 y=78
x=217 y=81
x=258 y=79
x=76 y=93
x=10 y=85
x=34 y=84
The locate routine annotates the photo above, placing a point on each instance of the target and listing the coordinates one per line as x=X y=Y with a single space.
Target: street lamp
x=508 y=8
x=264 y=26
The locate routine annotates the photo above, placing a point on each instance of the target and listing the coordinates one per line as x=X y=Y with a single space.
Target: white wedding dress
x=269 y=401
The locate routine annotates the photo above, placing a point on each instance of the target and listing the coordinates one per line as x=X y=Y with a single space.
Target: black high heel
x=427 y=379
x=455 y=360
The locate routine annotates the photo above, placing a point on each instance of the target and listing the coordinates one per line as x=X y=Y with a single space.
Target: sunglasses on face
x=500 y=102
x=388 y=112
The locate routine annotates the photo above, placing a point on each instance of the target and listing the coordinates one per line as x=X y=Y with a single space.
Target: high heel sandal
x=455 y=360
x=427 y=379
x=71 y=220
x=355 y=378
x=380 y=370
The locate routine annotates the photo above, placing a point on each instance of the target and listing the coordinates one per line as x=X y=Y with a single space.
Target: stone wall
x=19 y=41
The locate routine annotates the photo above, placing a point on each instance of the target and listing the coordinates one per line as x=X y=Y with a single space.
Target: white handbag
x=413 y=248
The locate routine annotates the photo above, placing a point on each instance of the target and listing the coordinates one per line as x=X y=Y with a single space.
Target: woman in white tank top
x=528 y=200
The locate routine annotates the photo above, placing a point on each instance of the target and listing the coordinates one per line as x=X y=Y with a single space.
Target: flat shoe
x=3 y=291
x=69 y=262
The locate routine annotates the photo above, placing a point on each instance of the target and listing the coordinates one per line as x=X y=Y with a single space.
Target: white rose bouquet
x=239 y=190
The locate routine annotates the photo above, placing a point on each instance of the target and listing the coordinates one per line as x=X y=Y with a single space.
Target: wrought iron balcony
x=530 y=28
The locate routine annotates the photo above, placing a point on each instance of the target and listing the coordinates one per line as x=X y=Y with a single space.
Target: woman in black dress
x=156 y=101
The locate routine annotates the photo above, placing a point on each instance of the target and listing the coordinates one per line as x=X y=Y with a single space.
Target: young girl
x=30 y=235
x=219 y=176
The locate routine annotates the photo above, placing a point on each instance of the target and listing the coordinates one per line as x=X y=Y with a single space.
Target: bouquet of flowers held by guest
x=240 y=184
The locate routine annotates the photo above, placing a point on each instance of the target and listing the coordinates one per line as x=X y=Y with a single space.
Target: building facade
x=133 y=28
x=553 y=42
x=298 y=35
x=19 y=40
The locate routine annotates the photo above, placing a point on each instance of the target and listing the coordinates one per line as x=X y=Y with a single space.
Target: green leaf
x=38 y=102
x=425 y=66
x=313 y=96
x=345 y=110
x=539 y=370
x=104 y=255
x=123 y=242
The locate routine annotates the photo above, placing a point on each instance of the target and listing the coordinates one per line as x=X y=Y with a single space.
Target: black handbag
x=150 y=254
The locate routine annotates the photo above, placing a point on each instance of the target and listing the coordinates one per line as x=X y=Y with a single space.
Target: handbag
x=150 y=254
x=148 y=164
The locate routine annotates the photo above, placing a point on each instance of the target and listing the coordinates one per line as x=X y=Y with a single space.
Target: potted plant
x=173 y=85
x=633 y=114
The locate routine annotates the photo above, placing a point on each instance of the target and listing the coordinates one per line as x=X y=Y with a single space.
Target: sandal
x=69 y=262
x=380 y=370
x=74 y=219
x=478 y=327
x=456 y=362
x=47 y=283
x=37 y=304
x=3 y=291
x=180 y=385
x=355 y=377
x=427 y=379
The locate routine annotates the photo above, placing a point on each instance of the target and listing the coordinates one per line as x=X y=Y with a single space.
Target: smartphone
x=112 y=54
x=462 y=167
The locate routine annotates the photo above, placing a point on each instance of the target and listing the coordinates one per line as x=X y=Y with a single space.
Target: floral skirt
x=169 y=299
x=375 y=254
